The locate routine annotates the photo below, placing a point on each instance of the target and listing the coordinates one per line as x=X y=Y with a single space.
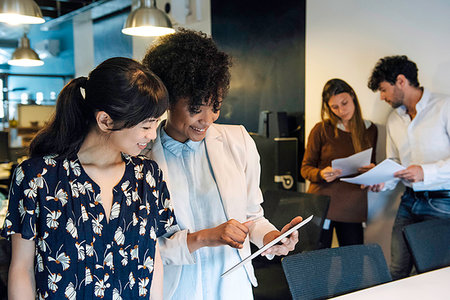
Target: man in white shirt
x=418 y=137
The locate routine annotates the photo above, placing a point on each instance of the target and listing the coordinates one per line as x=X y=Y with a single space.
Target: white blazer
x=235 y=164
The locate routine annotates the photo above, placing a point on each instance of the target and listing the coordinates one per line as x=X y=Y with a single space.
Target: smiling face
x=133 y=140
x=182 y=125
x=391 y=93
x=342 y=106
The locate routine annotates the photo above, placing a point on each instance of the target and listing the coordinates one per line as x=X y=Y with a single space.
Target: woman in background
x=341 y=133
x=84 y=216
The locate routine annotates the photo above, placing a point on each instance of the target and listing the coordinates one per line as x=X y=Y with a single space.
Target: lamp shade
x=20 y=12
x=147 y=21
x=24 y=56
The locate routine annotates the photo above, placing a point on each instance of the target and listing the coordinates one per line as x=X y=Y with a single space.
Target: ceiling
x=51 y=9
x=56 y=12
x=56 y=8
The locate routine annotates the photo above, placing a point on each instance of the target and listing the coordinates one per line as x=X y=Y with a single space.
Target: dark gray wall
x=267 y=42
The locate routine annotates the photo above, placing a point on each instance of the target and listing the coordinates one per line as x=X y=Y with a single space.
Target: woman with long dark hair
x=85 y=211
x=342 y=132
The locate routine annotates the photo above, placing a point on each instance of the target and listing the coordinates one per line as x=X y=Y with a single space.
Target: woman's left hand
x=287 y=244
x=364 y=169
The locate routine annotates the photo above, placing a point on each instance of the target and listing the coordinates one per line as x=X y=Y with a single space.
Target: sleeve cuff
x=174 y=249
x=270 y=256
x=429 y=172
x=259 y=230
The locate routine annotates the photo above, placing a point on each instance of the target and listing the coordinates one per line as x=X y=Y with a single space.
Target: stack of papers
x=381 y=173
x=351 y=164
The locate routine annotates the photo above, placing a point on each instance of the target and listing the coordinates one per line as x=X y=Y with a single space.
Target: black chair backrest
x=331 y=272
x=429 y=244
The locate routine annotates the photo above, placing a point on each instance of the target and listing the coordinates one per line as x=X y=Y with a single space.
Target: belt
x=430 y=194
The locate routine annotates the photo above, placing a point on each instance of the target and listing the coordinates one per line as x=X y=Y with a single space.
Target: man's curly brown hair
x=190 y=65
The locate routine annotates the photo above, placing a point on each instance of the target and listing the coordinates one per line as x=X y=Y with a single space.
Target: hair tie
x=82 y=82
x=83 y=92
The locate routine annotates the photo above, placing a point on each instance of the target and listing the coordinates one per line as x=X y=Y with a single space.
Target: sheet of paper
x=350 y=165
x=380 y=173
x=268 y=245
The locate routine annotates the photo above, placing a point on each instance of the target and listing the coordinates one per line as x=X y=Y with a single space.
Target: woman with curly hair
x=213 y=173
x=85 y=211
x=341 y=133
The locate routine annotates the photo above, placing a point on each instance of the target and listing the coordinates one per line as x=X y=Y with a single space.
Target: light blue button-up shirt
x=188 y=165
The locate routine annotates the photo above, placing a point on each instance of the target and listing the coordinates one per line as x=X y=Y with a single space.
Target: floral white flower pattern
x=54 y=202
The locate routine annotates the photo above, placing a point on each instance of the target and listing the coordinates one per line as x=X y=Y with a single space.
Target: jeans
x=412 y=209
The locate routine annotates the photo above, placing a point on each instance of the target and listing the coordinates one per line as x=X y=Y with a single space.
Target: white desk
x=431 y=285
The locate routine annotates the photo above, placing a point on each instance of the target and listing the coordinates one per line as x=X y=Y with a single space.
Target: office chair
x=279 y=208
x=429 y=244
x=331 y=272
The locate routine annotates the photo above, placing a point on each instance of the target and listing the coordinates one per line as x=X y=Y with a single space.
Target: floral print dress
x=79 y=255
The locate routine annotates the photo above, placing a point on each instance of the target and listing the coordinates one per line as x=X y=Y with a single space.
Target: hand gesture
x=413 y=173
x=373 y=188
x=232 y=233
x=329 y=174
x=364 y=169
x=287 y=244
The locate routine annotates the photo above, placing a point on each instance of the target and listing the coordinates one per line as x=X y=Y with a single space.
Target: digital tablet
x=268 y=245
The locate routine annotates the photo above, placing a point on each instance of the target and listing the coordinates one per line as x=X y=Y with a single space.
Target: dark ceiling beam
x=49 y=3
x=9 y=44
x=85 y=2
x=49 y=14
x=77 y=2
x=54 y=9
x=62 y=8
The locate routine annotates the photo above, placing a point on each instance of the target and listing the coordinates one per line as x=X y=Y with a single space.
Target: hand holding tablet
x=268 y=245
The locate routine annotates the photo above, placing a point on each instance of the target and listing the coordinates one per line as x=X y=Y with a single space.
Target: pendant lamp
x=24 y=56
x=147 y=20
x=16 y=12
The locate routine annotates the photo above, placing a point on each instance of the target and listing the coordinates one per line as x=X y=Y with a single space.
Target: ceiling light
x=16 y=12
x=24 y=56
x=147 y=20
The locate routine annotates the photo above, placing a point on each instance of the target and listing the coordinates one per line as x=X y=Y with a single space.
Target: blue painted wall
x=109 y=41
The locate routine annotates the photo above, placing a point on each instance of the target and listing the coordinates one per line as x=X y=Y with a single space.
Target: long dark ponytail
x=123 y=88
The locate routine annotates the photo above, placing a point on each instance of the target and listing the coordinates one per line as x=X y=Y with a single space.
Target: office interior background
x=284 y=52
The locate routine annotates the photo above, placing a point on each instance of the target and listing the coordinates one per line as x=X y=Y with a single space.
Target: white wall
x=83 y=41
x=345 y=38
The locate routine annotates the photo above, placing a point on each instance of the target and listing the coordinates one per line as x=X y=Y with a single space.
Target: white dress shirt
x=423 y=141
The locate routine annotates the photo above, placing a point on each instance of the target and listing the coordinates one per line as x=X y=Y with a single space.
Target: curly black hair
x=191 y=66
x=389 y=67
